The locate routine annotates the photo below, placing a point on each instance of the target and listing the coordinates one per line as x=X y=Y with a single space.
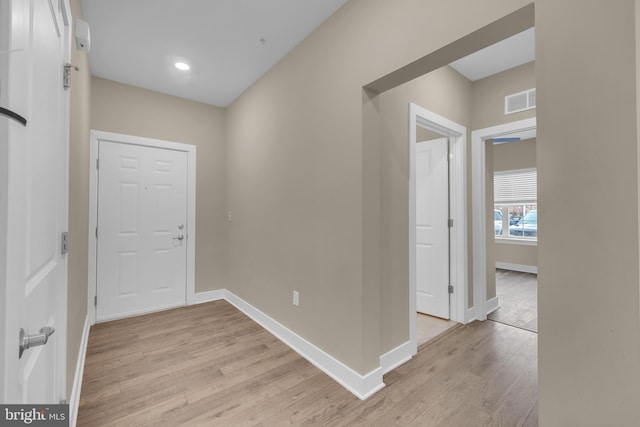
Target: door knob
x=179 y=237
x=28 y=341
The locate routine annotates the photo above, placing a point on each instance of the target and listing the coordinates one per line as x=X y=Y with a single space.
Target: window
x=515 y=204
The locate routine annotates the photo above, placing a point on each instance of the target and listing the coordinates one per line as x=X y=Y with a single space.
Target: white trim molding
x=74 y=400
x=492 y=305
x=479 y=206
x=396 y=357
x=208 y=296
x=362 y=386
x=190 y=150
x=517 y=267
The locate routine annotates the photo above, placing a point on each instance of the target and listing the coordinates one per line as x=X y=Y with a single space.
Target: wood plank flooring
x=518 y=298
x=210 y=365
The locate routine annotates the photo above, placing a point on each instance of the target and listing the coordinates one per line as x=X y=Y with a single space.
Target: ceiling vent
x=521 y=101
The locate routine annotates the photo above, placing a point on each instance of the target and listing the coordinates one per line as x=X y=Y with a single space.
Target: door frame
x=479 y=206
x=95 y=137
x=458 y=277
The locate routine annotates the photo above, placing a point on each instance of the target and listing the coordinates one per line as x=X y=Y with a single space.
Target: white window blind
x=515 y=186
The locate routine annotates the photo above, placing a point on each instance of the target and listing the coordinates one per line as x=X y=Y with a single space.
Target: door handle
x=13 y=115
x=180 y=237
x=28 y=341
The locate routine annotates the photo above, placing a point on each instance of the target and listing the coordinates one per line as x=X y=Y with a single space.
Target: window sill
x=516 y=241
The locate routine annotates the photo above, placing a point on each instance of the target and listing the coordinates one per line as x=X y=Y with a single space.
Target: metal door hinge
x=450 y=289
x=98 y=163
x=65 y=243
x=96 y=232
x=450 y=223
x=66 y=74
x=95 y=301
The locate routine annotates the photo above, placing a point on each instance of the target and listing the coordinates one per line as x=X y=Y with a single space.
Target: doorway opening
x=448 y=295
x=512 y=252
x=479 y=140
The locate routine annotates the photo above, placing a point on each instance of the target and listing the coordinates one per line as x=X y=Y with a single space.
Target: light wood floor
x=210 y=365
x=518 y=298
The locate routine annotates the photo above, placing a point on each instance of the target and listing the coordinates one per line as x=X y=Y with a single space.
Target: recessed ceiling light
x=182 y=66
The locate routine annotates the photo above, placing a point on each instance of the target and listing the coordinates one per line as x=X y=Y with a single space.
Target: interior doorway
x=479 y=139
x=454 y=286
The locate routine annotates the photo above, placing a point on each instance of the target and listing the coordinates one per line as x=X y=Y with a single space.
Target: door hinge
x=96 y=232
x=65 y=243
x=450 y=223
x=66 y=76
x=450 y=289
x=98 y=163
x=95 y=301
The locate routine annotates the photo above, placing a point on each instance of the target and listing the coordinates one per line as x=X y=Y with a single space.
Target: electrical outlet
x=296 y=298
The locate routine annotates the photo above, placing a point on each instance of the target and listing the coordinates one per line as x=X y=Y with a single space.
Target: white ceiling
x=517 y=50
x=229 y=44
x=137 y=42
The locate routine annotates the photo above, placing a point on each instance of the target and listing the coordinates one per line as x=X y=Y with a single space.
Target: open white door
x=142 y=229
x=34 y=192
x=432 y=227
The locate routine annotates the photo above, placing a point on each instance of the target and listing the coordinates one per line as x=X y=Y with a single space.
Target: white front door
x=33 y=197
x=432 y=227
x=142 y=229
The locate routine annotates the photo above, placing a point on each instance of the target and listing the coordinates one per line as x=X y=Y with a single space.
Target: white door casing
x=458 y=274
x=432 y=229
x=35 y=211
x=142 y=229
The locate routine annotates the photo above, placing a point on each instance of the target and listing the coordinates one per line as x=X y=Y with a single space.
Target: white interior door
x=142 y=229
x=34 y=187
x=432 y=227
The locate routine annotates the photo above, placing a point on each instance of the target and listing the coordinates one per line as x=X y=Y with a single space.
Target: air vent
x=521 y=101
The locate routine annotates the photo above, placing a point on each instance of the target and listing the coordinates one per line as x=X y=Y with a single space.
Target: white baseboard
x=202 y=297
x=492 y=305
x=141 y=312
x=396 y=357
x=470 y=315
x=517 y=267
x=362 y=386
x=74 y=400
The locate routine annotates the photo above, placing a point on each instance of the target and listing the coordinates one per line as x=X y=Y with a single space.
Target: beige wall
x=120 y=108
x=489 y=223
x=318 y=194
x=488 y=96
x=515 y=155
x=78 y=202
x=589 y=341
